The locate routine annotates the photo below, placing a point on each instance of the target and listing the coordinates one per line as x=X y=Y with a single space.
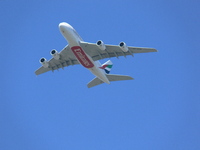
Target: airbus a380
x=87 y=54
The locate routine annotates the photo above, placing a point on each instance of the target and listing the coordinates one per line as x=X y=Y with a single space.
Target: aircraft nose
x=64 y=25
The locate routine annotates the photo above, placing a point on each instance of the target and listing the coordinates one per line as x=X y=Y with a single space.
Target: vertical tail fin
x=107 y=66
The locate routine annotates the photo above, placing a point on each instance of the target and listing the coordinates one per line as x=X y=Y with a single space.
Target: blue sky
x=160 y=109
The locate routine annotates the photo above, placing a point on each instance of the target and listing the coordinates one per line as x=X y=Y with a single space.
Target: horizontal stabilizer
x=114 y=77
x=94 y=82
x=111 y=77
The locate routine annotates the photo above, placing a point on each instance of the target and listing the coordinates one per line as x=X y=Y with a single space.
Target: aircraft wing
x=111 y=51
x=67 y=58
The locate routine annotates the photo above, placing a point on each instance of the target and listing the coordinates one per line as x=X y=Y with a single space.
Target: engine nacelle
x=44 y=62
x=123 y=46
x=55 y=54
x=101 y=45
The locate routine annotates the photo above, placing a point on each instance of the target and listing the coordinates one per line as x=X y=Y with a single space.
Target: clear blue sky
x=159 y=110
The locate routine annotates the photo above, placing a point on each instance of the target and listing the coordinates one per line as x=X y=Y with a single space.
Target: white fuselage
x=84 y=59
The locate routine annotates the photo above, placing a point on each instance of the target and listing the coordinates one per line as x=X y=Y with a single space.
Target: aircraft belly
x=82 y=57
x=87 y=62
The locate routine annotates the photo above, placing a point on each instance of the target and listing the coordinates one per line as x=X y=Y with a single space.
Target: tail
x=107 y=66
x=111 y=77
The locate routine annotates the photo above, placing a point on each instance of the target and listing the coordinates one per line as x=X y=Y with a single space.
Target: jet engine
x=44 y=62
x=55 y=54
x=101 y=45
x=123 y=46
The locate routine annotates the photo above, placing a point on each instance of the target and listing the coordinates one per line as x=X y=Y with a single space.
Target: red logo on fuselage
x=82 y=57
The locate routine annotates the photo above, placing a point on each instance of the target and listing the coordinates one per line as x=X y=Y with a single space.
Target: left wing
x=67 y=58
x=111 y=51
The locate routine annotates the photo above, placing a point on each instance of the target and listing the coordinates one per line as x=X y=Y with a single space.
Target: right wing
x=111 y=51
x=67 y=58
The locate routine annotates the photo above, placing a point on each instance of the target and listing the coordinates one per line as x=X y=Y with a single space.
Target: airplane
x=88 y=55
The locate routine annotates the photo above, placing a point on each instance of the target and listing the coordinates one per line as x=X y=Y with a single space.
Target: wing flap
x=142 y=49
